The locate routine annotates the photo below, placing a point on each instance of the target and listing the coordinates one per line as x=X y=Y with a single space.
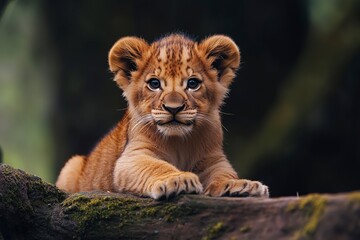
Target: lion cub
x=169 y=141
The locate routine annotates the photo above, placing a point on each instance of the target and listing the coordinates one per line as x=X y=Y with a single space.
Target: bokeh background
x=292 y=118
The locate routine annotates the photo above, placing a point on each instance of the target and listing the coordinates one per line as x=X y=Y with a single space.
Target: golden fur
x=170 y=140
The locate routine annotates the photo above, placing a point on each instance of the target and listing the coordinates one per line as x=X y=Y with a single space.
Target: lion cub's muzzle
x=174 y=111
x=174 y=116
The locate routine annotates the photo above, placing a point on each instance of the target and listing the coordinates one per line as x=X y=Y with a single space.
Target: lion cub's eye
x=154 y=84
x=193 y=84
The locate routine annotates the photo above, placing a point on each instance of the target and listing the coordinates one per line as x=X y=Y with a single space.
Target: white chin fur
x=175 y=130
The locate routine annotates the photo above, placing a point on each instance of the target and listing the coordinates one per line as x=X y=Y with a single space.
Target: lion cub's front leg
x=151 y=177
x=220 y=179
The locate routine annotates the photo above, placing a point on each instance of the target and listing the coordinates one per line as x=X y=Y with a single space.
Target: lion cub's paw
x=238 y=188
x=184 y=182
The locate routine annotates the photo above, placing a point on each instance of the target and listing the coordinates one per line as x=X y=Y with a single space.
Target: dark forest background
x=292 y=117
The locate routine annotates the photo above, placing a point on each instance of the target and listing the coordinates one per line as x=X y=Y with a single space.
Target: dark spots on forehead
x=168 y=54
x=173 y=52
x=173 y=61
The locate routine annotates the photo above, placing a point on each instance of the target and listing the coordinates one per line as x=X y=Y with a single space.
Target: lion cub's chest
x=182 y=155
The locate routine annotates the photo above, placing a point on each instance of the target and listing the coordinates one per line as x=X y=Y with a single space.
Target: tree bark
x=33 y=209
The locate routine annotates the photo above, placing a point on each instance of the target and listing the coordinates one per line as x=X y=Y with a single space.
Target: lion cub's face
x=175 y=83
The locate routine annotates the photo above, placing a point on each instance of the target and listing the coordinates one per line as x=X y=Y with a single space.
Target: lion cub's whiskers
x=145 y=119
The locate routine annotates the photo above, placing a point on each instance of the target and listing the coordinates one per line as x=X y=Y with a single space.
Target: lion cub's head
x=174 y=84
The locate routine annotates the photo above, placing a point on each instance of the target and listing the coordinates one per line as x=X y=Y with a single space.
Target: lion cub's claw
x=184 y=182
x=238 y=188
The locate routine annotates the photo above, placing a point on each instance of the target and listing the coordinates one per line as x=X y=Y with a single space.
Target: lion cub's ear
x=223 y=55
x=124 y=58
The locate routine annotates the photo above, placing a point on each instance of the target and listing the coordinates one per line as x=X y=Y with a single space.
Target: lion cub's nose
x=174 y=110
x=173 y=102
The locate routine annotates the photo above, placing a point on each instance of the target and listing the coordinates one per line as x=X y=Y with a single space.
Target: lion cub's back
x=99 y=167
x=95 y=172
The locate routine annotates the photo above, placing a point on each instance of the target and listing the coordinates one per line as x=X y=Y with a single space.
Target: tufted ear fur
x=124 y=58
x=223 y=55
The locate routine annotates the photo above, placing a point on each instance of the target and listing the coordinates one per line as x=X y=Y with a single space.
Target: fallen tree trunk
x=33 y=209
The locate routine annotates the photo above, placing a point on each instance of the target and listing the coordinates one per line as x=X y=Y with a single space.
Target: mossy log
x=33 y=209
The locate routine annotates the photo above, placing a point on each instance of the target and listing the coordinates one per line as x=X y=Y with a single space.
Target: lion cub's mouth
x=174 y=122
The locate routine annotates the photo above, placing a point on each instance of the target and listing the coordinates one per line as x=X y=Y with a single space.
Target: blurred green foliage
x=26 y=92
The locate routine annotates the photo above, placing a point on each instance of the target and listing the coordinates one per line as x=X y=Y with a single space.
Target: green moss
x=215 y=231
x=172 y=212
x=11 y=194
x=42 y=192
x=25 y=192
x=245 y=229
x=149 y=212
x=34 y=184
x=354 y=197
x=88 y=210
x=313 y=206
